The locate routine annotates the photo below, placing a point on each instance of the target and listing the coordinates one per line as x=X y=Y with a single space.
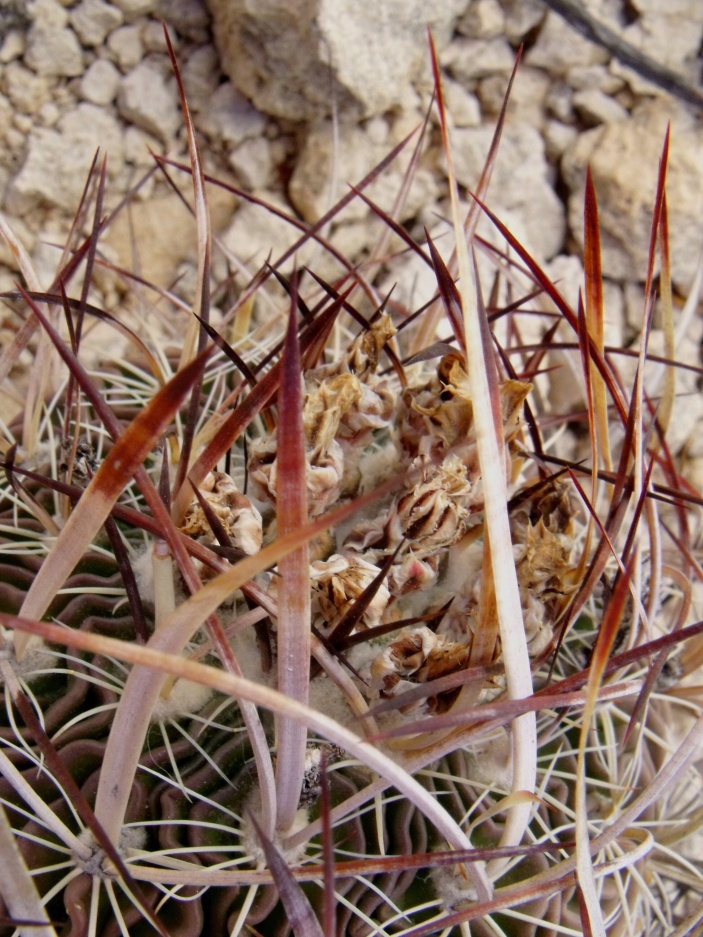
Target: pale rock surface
x=558 y=138
x=230 y=117
x=92 y=20
x=26 y=91
x=137 y=144
x=462 y=105
x=58 y=160
x=148 y=101
x=189 y=17
x=161 y=231
x=520 y=192
x=125 y=45
x=670 y=33
x=624 y=159
x=13 y=46
x=559 y=48
x=325 y=168
x=595 y=107
x=467 y=60
x=521 y=17
x=54 y=52
x=483 y=19
x=100 y=83
x=527 y=96
x=135 y=8
x=252 y=162
x=153 y=37
x=293 y=61
x=586 y=77
x=255 y=235
x=47 y=14
x=201 y=76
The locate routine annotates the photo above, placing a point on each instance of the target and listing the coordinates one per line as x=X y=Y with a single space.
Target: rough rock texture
x=533 y=212
x=294 y=60
x=57 y=160
x=624 y=160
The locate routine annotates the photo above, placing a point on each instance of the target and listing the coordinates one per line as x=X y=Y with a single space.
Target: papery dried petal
x=418 y=655
x=338 y=582
x=240 y=519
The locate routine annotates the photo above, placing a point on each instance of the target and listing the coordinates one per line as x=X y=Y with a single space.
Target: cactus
x=313 y=625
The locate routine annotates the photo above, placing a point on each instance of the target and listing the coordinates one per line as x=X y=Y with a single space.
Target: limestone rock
x=324 y=171
x=146 y=100
x=624 y=159
x=520 y=192
x=126 y=47
x=483 y=19
x=595 y=107
x=26 y=91
x=521 y=17
x=201 y=76
x=470 y=59
x=57 y=160
x=294 y=60
x=559 y=48
x=54 y=52
x=92 y=20
x=134 y=8
x=670 y=33
x=100 y=83
x=252 y=163
x=189 y=17
x=230 y=117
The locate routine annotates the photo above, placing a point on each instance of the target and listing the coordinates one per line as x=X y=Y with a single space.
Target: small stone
x=146 y=100
x=520 y=192
x=595 y=108
x=328 y=162
x=521 y=17
x=134 y=8
x=189 y=17
x=26 y=91
x=54 y=52
x=126 y=47
x=463 y=106
x=483 y=19
x=201 y=76
x=527 y=95
x=23 y=122
x=48 y=114
x=559 y=48
x=153 y=37
x=13 y=46
x=93 y=20
x=230 y=117
x=100 y=83
x=559 y=101
x=47 y=14
x=137 y=144
x=252 y=163
x=624 y=159
x=57 y=161
x=582 y=77
x=557 y=138
x=466 y=60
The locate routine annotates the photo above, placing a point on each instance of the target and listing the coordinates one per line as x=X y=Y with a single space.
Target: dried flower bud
x=433 y=514
x=236 y=513
x=337 y=583
x=418 y=655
